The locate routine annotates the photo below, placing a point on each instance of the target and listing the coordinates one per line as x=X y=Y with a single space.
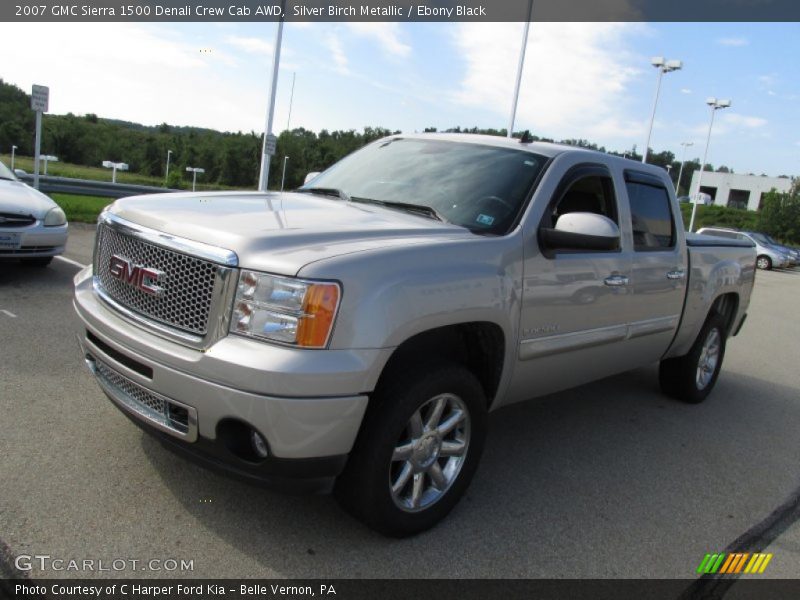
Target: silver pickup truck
x=352 y=335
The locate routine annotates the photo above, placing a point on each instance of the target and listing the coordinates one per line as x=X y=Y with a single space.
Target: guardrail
x=89 y=187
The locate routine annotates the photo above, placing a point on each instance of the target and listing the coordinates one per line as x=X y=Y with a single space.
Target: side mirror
x=19 y=173
x=581 y=231
x=310 y=176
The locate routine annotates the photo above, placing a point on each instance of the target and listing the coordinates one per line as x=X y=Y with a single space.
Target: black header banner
x=400 y=10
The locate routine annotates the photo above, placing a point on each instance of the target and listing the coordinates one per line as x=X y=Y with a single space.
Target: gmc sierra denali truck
x=351 y=336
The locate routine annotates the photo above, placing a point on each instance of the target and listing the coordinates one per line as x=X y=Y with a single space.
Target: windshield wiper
x=7 y=178
x=325 y=192
x=428 y=211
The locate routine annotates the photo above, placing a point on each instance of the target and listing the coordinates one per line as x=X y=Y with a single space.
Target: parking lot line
x=74 y=263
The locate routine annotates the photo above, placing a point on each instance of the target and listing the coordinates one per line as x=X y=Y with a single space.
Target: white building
x=737 y=191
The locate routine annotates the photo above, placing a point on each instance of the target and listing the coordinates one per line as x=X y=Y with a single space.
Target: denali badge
x=138 y=276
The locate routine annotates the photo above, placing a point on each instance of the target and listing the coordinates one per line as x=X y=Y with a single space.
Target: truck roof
x=548 y=149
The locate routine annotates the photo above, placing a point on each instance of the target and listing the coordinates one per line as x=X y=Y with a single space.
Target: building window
x=738 y=199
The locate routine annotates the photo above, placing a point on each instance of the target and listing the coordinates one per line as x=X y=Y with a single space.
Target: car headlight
x=285 y=310
x=55 y=217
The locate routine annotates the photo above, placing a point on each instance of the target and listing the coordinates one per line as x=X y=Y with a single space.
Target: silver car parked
x=33 y=228
x=768 y=256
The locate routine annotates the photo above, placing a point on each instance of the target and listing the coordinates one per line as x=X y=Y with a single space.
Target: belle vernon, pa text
x=210 y=589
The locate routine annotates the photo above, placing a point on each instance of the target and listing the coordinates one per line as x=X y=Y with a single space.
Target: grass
x=84 y=209
x=721 y=216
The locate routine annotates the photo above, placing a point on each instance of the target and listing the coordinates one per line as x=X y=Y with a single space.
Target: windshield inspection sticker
x=485 y=219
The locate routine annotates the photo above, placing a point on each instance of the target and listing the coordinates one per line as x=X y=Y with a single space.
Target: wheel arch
x=480 y=346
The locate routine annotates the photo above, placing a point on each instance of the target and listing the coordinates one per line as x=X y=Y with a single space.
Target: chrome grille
x=145 y=400
x=188 y=282
x=168 y=415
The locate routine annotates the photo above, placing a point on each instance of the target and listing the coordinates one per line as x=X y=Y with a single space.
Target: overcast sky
x=581 y=80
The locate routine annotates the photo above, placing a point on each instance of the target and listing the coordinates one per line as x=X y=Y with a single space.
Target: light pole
x=115 y=166
x=715 y=106
x=13 y=152
x=283 y=177
x=513 y=116
x=194 y=171
x=269 y=141
x=663 y=66
x=47 y=158
x=683 y=160
x=166 y=175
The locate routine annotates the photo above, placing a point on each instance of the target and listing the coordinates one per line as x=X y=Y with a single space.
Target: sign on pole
x=40 y=102
x=40 y=98
x=270 y=144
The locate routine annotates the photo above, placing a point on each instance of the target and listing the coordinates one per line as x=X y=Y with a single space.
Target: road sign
x=270 y=143
x=40 y=98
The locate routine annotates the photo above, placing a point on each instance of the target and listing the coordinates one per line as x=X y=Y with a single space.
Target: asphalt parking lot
x=608 y=480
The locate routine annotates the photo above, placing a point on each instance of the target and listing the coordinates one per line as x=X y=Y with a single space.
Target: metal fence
x=88 y=187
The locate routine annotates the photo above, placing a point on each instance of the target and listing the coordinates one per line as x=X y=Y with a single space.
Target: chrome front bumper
x=305 y=403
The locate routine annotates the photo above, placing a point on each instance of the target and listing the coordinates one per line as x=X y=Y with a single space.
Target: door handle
x=616 y=280
x=678 y=274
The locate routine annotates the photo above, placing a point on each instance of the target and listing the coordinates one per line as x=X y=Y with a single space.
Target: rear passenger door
x=658 y=270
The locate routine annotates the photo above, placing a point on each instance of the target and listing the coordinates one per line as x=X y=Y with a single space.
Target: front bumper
x=36 y=241
x=307 y=404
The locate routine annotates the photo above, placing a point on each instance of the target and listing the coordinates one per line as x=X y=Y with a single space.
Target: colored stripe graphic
x=733 y=563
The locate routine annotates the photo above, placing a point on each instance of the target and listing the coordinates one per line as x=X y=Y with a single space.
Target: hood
x=282 y=232
x=21 y=199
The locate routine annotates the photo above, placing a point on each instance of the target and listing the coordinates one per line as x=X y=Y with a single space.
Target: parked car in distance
x=354 y=334
x=33 y=228
x=792 y=253
x=768 y=257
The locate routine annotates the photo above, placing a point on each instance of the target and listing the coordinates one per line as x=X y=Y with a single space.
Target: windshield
x=479 y=187
x=5 y=173
x=761 y=238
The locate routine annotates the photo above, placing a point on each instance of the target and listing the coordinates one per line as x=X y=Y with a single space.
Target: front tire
x=764 y=262
x=417 y=451
x=692 y=377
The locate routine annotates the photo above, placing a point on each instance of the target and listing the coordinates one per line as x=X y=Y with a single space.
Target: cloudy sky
x=581 y=80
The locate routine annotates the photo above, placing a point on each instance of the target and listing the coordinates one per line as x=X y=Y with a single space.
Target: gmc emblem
x=137 y=276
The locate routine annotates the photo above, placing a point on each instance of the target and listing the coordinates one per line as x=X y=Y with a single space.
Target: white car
x=33 y=228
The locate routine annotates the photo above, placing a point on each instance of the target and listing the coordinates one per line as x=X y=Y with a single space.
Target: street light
x=715 y=105
x=115 y=166
x=166 y=175
x=663 y=66
x=283 y=177
x=683 y=160
x=13 y=151
x=47 y=158
x=194 y=171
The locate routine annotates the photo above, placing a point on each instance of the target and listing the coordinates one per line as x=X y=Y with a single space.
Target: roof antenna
x=526 y=138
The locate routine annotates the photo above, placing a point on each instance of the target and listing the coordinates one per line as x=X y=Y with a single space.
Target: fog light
x=259 y=445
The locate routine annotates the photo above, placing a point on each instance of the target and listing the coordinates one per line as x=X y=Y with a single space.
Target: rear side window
x=651 y=217
x=719 y=233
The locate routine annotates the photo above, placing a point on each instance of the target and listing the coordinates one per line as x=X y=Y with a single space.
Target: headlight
x=285 y=310
x=55 y=217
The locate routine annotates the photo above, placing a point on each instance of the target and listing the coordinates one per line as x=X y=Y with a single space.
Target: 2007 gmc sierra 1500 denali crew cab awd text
x=353 y=335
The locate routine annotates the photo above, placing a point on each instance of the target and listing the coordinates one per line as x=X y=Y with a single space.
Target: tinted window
x=592 y=194
x=651 y=218
x=479 y=187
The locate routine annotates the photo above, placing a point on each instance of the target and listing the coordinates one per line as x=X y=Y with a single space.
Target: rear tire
x=418 y=448
x=764 y=262
x=692 y=377
x=38 y=261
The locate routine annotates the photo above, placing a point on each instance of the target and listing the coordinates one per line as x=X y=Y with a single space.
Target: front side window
x=482 y=188
x=592 y=194
x=651 y=217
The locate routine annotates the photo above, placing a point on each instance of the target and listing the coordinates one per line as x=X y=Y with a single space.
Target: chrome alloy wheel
x=709 y=357
x=430 y=453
